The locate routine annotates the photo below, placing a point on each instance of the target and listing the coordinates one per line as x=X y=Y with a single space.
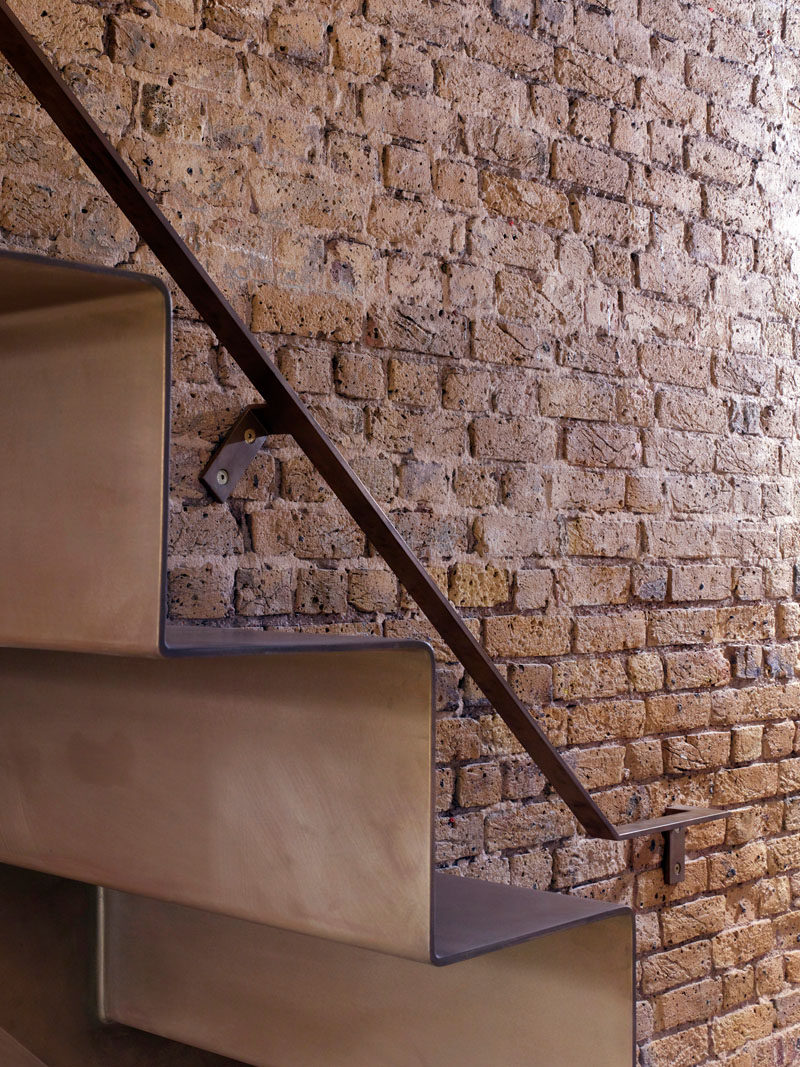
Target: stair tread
x=180 y=640
x=472 y=917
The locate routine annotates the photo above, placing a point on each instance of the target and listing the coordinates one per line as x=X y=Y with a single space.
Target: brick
x=746 y=623
x=533 y=589
x=599 y=768
x=405 y=431
x=458 y=836
x=677 y=366
x=299 y=34
x=741 y=784
x=685 y=1049
x=588 y=490
x=321 y=591
x=606 y=720
x=578 y=163
x=591 y=74
x=576 y=399
x=474 y=586
x=527 y=635
x=609 y=633
x=598 y=537
x=372 y=590
x=512 y=242
x=406 y=168
x=646 y=672
x=532 y=869
x=585 y=859
x=478 y=785
x=503 y=47
x=277 y=310
x=513 y=439
x=528 y=826
x=681 y=626
x=681 y=279
x=707 y=159
x=589 y=678
x=690 y=1003
x=704 y=751
x=733 y=947
x=623 y=223
x=697 y=918
x=307 y=533
x=200 y=592
x=456 y=182
x=478 y=87
x=264 y=591
x=603 y=446
x=746 y=743
x=356 y=49
x=521 y=779
x=696 y=670
x=685 y=964
x=501 y=535
x=719 y=79
x=598 y=584
x=733 y=1030
x=667 y=714
x=700 y=582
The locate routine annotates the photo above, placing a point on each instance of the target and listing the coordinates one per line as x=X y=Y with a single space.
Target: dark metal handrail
x=289 y=415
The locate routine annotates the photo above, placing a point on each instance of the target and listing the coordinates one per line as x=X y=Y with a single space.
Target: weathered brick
x=609 y=633
x=732 y=1031
x=590 y=167
x=690 y=1003
x=697 y=918
x=527 y=635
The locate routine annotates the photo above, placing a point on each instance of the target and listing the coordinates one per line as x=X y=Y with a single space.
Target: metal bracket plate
x=244 y=439
x=675 y=850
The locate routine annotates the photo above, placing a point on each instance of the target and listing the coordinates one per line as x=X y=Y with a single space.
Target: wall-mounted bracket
x=244 y=439
x=675 y=851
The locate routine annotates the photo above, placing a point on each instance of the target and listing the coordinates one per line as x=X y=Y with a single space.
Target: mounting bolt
x=222 y=477
x=249 y=436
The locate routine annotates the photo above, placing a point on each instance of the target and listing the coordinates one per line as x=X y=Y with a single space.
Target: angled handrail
x=288 y=414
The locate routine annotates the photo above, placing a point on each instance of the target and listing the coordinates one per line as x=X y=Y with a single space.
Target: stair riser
x=293 y=789
x=277 y=999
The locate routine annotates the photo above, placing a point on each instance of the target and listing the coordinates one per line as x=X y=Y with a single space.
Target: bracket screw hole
x=249 y=436
x=677 y=868
x=222 y=477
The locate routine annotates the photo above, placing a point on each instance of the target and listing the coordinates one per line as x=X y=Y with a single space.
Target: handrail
x=288 y=414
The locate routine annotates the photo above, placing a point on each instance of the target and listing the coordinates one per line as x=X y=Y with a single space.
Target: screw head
x=249 y=436
x=222 y=477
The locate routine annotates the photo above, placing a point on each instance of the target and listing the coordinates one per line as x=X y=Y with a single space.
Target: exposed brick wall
x=534 y=266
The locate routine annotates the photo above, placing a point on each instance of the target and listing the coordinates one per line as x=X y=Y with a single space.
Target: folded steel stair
x=258 y=806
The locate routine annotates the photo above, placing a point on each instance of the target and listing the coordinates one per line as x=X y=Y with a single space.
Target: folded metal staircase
x=256 y=807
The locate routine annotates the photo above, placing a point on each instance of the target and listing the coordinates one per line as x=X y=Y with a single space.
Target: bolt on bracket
x=244 y=439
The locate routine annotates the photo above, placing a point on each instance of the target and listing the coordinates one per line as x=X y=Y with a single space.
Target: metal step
x=48 y=979
x=274 y=998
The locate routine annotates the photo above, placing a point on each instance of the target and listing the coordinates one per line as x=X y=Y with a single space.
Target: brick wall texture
x=535 y=266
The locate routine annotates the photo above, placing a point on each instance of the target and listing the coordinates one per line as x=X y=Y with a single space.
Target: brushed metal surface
x=48 y=979
x=12 y=1054
x=83 y=401
x=287 y=788
x=274 y=998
